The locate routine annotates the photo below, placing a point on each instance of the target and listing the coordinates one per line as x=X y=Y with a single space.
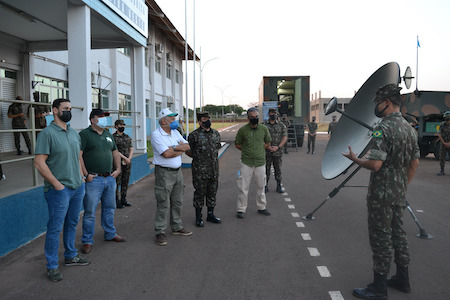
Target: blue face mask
x=174 y=125
x=102 y=122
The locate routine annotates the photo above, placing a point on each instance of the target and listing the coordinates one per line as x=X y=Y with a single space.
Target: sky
x=339 y=44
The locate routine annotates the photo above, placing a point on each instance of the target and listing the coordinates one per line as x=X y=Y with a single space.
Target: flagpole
x=417 y=63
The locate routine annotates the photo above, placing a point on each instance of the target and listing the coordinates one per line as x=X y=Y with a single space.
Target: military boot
x=280 y=188
x=211 y=217
x=119 y=203
x=400 y=280
x=441 y=173
x=377 y=290
x=125 y=202
x=198 y=217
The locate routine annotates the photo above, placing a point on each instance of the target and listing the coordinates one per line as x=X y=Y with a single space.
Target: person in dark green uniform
x=125 y=147
x=15 y=112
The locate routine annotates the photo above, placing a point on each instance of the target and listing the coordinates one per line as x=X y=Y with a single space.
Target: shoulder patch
x=377 y=134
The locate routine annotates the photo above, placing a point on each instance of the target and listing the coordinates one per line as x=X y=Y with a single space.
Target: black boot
x=280 y=188
x=400 y=280
x=198 y=217
x=266 y=189
x=125 y=202
x=377 y=290
x=118 y=203
x=19 y=152
x=441 y=173
x=285 y=151
x=211 y=217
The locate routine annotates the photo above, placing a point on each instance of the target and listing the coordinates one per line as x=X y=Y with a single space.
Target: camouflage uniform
x=312 y=128
x=277 y=132
x=123 y=143
x=286 y=123
x=39 y=116
x=19 y=123
x=444 y=131
x=205 y=147
x=331 y=127
x=395 y=143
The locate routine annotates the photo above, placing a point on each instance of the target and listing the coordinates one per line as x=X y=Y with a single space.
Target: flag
x=418 y=44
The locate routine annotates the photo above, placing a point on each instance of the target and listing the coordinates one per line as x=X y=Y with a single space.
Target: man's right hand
x=59 y=186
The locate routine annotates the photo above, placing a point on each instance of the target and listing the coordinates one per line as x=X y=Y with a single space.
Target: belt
x=101 y=175
x=169 y=169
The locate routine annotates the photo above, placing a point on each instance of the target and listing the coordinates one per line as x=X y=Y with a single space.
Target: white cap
x=166 y=113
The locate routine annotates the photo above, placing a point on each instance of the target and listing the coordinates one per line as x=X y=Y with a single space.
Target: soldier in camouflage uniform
x=312 y=128
x=15 y=112
x=205 y=144
x=278 y=133
x=40 y=111
x=287 y=123
x=393 y=159
x=331 y=126
x=125 y=147
x=444 y=138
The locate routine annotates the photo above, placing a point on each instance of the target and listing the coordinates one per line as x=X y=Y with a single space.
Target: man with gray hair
x=168 y=146
x=253 y=140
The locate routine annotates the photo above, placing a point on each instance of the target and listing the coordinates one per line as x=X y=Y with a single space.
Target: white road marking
x=419 y=210
x=323 y=271
x=291 y=206
x=336 y=295
x=287 y=199
x=299 y=224
x=284 y=194
x=295 y=215
x=313 y=251
x=306 y=236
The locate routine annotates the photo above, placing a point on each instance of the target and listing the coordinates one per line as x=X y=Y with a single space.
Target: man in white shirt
x=168 y=146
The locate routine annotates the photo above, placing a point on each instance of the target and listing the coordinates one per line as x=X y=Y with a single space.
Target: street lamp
x=230 y=98
x=201 y=78
x=222 y=90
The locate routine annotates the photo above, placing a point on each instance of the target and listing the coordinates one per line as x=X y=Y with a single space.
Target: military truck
x=424 y=110
x=290 y=95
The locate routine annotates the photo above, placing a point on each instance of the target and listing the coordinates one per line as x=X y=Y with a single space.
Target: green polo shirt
x=63 y=150
x=97 y=150
x=252 y=141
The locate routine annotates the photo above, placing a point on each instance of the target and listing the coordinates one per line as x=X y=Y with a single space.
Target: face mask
x=379 y=113
x=174 y=125
x=254 y=121
x=207 y=124
x=102 y=122
x=65 y=116
x=121 y=129
x=273 y=117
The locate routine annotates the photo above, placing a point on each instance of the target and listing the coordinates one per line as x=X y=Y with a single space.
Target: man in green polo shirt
x=252 y=139
x=58 y=161
x=99 y=153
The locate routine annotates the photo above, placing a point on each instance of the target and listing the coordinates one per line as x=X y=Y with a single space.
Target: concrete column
x=79 y=49
x=138 y=98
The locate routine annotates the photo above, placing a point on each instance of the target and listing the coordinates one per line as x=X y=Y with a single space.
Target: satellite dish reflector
x=407 y=78
x=354 y=128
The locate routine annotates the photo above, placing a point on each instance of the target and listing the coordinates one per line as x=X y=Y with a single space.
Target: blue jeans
x=99 y=189
x=64 y=210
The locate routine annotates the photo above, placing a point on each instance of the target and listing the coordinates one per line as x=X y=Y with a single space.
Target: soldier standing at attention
x=393 y=159
x=15 y=112
x=331 y=126
x=40 y=111
x=312 y=128
x=125 y=147
x=444 y=138
x=278 y=134
x=205 y=144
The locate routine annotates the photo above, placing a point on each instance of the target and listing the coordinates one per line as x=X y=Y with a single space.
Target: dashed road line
x=295 y=215
x=313 y=251
x=287 y=199
x=336 y=295
x=306 y=236
x=323 y=271
x=300 y=224
x=291 y=206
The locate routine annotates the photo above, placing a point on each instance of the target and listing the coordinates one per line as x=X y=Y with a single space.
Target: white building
x=318 y=105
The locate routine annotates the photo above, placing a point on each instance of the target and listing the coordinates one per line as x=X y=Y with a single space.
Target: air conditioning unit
x=169 y=58
x=93 y=79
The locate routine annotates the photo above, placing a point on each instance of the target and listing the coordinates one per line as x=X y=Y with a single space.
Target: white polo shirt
x=161 y=141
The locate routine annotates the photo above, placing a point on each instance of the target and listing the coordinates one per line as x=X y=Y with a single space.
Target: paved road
x=275 y=257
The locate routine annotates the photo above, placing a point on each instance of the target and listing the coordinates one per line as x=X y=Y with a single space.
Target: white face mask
x=102 y=122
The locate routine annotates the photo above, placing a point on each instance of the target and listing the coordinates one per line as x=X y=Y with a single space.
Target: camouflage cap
x=388 y=91
x=447 y=114
x=119 y=122
x=272 y=110
x=202 y=114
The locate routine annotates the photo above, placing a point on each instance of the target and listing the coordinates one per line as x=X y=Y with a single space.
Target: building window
x=147 y=108
x=125 y=51
x=146 y=57
x=345 y=106
x=104 y=98
x=177 y=76
x=8 y=74
x=158 y=64
x=168 y=71
x=157 y=108
x=124 y=104
x=51 y=89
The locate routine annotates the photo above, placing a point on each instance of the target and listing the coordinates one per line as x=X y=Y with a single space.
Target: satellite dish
x=360 y=110
x=407 y=77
